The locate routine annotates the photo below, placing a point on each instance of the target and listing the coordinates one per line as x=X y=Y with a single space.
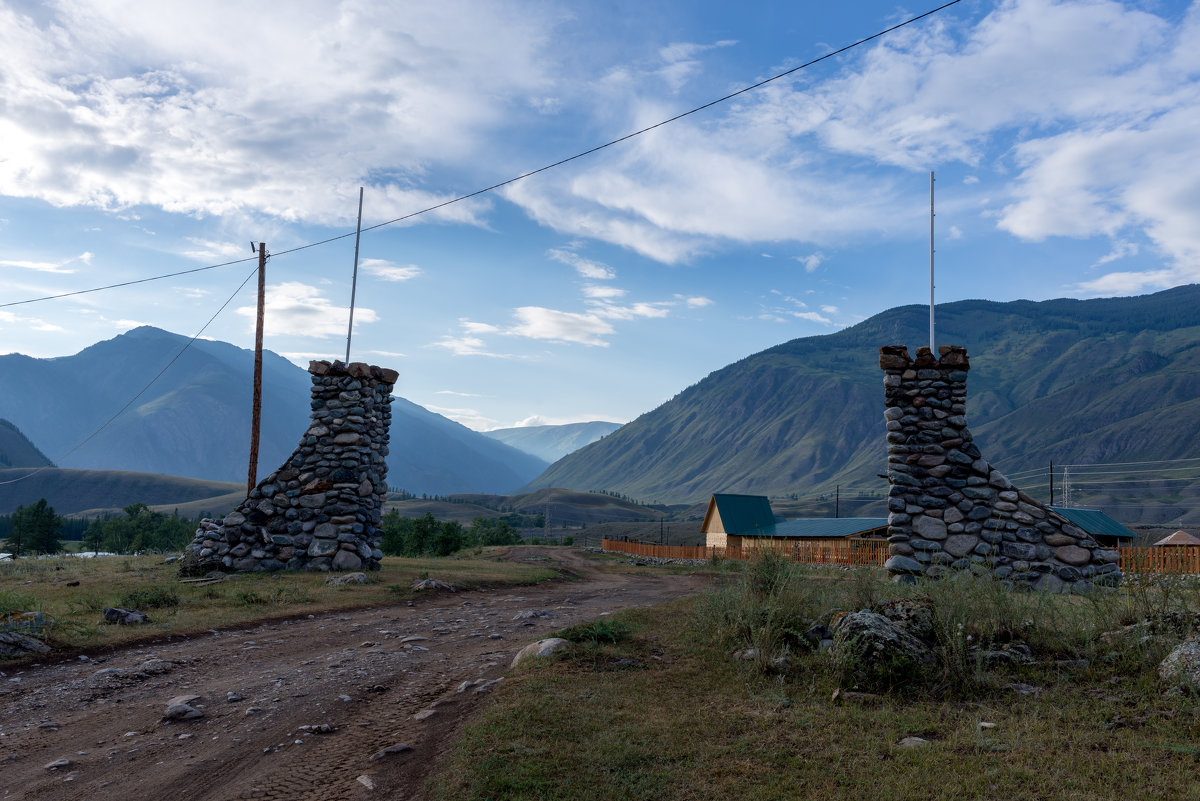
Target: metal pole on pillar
x=932 y=346
x=354 y=280
x=256 y=404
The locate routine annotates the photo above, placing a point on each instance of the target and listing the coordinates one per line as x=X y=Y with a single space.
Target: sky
x=139 y=139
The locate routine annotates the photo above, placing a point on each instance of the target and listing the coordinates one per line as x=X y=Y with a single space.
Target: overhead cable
x=531 y=173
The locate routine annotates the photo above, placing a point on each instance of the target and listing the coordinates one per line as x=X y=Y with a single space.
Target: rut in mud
x=293 y=709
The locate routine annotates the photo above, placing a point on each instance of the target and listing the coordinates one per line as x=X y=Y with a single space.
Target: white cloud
x=298 y=309
x=48 y=266
x=812 y=261
x=830 y=309
x=603 y=292
x=389 y=271
x=461 y=394
x=697 y=302
x=954 y=233
x=387 y=354
x=471 y=418
x=587 y=268
x=210 y=250
x=1121 y=249
x=537 y=322
x=120 y=104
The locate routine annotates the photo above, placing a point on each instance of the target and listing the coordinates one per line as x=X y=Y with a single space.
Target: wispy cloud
x=49 y=266
x=587 y=268
x=537 y=322
x=297 y=309
x=388 y=271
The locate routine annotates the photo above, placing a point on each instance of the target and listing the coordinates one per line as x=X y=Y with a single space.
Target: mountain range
x=1079 y=382
x=193 y=420
x=553 y=442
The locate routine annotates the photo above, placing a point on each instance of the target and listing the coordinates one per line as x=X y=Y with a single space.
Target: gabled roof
x=1094 y=522
x=826 y=527
x=739 y=514
x=1179 y=538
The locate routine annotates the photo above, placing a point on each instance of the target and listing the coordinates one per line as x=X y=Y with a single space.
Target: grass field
x=73 y=592
x=668 y=713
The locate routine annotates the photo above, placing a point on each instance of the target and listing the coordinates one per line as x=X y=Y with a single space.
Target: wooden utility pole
x=256 y=408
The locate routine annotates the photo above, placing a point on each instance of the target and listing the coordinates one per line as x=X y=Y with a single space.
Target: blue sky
x=144 y=138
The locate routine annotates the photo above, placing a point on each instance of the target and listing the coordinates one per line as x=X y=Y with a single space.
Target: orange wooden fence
x=850 y=551
x=1175 y=559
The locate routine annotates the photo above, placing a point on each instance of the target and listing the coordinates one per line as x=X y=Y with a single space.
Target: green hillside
x=1076 y=382
x=97 y=491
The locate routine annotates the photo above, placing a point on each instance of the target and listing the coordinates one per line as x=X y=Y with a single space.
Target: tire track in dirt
x=364 y=673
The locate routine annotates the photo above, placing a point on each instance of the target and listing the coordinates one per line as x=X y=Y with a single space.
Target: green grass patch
x=667 y=712
x=72 y=593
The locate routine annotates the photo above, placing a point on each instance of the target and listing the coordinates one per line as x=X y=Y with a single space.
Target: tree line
x=38 y=529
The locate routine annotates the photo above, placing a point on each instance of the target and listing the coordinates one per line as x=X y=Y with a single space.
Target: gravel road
x=294 y=708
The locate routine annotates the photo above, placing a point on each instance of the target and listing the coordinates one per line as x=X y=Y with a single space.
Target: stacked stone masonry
x=949 y=510
x=322 y=509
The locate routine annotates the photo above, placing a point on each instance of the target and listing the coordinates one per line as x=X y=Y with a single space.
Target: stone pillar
x=322 y=509
x=949 y=509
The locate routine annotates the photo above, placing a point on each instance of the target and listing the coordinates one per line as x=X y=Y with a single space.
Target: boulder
x=539 y=649
x=1180 y=670
x=115 y=614
x=13 y=644
x=876 y=652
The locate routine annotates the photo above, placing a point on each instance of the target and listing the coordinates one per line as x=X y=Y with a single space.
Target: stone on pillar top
x=359 y=369
x=388 y=376
x=954 y=356
x=924 y=358
x=894 y=357
x=318 y=367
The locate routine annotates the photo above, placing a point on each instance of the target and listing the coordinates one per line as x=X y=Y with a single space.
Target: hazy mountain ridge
x=17 y=451
x=1112 y=379
x=194 y=422
x=553 y=442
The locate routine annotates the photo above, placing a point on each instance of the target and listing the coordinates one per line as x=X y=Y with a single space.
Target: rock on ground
x=540 y=648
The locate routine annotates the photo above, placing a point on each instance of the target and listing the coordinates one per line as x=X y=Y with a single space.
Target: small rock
x=348 y=578
x=540 y=648
x=182 y=712
x=183 y=699
x=366 y=781
x=232 y=697
x=115 y=614
x=421 y=585
x=912 y=742
x=61 y=762
x=398 y=748
x=530 y=614
x=425 y=714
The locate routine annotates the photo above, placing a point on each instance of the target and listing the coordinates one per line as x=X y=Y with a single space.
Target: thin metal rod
x=354 y=280
x=256 y=403
x=932 y=345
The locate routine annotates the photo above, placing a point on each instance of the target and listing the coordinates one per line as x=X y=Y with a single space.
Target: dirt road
x=292 y=709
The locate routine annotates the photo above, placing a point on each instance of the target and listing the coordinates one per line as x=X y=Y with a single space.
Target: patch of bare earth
x=292 y=709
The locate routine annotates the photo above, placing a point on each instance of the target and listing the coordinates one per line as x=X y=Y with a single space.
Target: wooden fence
x=1177 y=559
x=1174 y=559
x=854 y=551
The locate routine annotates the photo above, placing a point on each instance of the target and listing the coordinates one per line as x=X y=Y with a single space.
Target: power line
x=126 y=283
x=524 y=175
x=142 y=391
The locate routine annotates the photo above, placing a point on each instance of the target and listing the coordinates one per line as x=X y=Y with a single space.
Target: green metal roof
x=1094 y=522
x=744 y=514
x=826 y=527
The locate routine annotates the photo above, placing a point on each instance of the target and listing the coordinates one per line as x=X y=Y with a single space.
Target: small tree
x=35 y=529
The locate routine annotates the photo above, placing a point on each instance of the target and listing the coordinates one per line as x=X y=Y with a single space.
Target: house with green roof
x=738 y=521
x=1103 y=529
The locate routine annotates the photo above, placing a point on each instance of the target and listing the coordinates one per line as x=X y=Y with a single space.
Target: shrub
x=150 y=598
x=597 y=633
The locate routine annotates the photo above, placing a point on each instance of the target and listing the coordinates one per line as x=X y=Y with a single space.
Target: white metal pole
x=932 y=347
x=354 y=280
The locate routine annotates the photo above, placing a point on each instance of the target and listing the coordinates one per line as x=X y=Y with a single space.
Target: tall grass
x=979 y=631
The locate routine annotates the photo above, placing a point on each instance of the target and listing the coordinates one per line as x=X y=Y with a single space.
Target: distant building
x=739 y=521
x=1178 y=538
x=1101 y=527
